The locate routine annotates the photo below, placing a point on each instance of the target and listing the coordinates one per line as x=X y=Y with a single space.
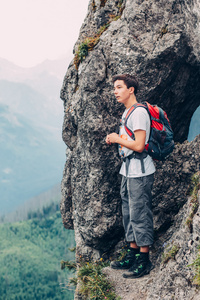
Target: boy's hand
x=112 y=138
x=107 y=140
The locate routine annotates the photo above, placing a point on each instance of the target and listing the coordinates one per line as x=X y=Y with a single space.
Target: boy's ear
x=131 y=89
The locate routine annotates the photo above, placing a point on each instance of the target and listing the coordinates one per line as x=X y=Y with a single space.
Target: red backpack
x=160 y=143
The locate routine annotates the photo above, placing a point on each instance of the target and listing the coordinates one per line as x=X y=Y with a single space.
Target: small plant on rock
x=170 y=254
x=92 y=282
x=89 y=43
x=122 y=253
x=196 y=265
x=121 y=6
x=194 y=203
x=70 y=265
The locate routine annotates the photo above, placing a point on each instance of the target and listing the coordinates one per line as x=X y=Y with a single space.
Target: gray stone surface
x=171 y=280
x=159 y=42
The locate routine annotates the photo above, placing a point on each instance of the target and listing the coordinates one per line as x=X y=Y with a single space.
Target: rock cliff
x=172 y=277
x=159 y=42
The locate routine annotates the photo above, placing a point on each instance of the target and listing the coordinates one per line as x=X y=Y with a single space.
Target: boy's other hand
x=112 y=138
x=107 y=140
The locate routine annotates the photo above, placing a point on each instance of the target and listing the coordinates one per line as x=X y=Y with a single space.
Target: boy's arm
x=137 y=145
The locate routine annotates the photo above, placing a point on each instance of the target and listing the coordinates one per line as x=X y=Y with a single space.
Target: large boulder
x=159 y=42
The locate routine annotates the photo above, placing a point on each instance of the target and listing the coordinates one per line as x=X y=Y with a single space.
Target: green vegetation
x=92 y=282
x=163 y=31
x=196 y=265
x=170 y=254
x=89 y=43
x=194 y=203
x=120 y=3
x=123 y=252
x=121 y=6
x=30 y=255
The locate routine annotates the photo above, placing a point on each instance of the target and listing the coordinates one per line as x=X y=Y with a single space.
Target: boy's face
x=122 y=93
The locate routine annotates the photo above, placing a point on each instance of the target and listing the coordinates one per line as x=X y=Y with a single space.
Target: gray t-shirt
x=138 y=120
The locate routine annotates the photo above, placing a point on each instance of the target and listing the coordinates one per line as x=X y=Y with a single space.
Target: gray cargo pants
x=136 y=209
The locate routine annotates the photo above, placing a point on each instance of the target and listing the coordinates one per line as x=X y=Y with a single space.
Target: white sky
x=34 y=30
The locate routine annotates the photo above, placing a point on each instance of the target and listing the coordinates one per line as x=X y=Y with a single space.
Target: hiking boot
x=126 y=262
x=140 y=268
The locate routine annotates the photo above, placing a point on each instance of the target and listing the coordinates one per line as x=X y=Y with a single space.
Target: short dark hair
x=129 y=80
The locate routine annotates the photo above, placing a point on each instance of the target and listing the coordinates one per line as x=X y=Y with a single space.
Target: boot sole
x=145 y=272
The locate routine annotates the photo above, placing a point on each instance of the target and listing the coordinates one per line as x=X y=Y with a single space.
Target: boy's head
x=129 y=81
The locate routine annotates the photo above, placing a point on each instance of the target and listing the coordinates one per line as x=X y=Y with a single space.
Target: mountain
x=31 y=159
x=55 y=68
x=25 y=101
x=36 y=204
x=39 y=86
x=194 y=128
x=31 y=115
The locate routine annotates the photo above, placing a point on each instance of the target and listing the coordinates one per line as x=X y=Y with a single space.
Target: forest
x=30 y=256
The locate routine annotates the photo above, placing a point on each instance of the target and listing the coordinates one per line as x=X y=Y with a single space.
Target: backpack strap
x=135 y=155
x=130 y=111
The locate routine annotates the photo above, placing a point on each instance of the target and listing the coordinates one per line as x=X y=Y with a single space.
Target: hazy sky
x=34 y=30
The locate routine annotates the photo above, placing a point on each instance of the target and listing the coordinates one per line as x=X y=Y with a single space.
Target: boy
x=137 y=179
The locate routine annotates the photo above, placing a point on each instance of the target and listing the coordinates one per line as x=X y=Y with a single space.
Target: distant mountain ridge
x=11 y=71
x=35 y=204
x=31 y=115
